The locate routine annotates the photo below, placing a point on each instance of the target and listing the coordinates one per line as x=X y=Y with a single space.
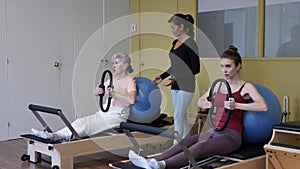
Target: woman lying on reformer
x=213 y=142
x=123 y=95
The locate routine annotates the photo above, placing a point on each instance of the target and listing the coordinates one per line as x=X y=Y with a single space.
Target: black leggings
x=200 y=145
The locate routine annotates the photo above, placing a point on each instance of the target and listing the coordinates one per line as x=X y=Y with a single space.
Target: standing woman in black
x=185 y=64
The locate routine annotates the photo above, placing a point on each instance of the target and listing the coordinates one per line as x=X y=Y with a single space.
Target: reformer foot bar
x=63 y=153
x=250 y=156
x=36 y=108
x=128 y=127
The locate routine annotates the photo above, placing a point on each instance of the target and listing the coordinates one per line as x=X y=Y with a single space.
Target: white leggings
x=97 y=122
x=181 y=101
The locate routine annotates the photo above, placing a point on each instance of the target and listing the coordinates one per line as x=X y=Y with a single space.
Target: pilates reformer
x=250 y=156
x=37 y=145
x=62 y=153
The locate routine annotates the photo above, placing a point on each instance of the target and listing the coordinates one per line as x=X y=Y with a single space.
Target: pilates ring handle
x=211 y=110
x=103 y=87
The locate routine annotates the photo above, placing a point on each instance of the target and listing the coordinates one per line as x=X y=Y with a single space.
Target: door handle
x=56 y=64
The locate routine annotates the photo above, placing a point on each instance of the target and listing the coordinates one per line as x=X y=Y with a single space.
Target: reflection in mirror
x=282 y=28
x=227 y=22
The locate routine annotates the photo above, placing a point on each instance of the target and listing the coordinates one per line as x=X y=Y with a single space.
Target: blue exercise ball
x=258 y=126
x=148 y=100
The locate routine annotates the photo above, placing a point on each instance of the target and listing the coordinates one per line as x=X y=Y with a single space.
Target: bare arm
x=124 y=97
x=128 y=98
x=259 y=104
x=203 y=102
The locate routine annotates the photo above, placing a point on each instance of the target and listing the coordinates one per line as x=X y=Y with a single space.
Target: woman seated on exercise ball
x=214 y=142
x=123 y=95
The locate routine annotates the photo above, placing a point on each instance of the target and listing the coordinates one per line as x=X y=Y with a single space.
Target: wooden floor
x=12 y=150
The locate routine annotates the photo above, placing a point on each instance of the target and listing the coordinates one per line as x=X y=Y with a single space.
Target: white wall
x=75 y=21
x=3 y=74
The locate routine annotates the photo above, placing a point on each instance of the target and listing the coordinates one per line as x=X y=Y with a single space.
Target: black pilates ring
x=103 y=87
x=211 y=111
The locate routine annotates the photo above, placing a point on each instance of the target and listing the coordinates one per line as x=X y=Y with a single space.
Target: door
x=3 y=74
x=95 y=55
x=33 y=46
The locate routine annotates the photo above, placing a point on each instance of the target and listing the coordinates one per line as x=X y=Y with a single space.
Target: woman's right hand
x=204 y=103
x=98 y=90
x=157 y=80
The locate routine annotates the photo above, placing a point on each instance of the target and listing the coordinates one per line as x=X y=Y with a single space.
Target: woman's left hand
x=230 y=104
x=172 y=81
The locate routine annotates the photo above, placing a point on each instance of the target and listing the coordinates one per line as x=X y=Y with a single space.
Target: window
x=224 y=22
x=282 y=28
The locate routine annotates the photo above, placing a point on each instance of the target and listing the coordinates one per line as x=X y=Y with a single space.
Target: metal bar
x=68 y=124
x=186 y=151
x=140 y=151
x=44 y=109
x=147 y=129
x=53 y=111
x=45 y=125
x=157 y=131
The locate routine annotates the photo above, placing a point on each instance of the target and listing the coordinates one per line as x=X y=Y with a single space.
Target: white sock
x=47 y=135
x=138 y=161
x=39 y=133
x=154 y=164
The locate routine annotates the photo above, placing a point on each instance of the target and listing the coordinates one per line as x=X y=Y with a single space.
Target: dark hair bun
x=189 y=18
x=233 y=48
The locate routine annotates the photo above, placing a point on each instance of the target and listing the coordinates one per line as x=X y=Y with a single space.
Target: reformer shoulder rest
x=290 y=126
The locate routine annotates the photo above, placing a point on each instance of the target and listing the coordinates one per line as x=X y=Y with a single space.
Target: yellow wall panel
x=188 y=6
x=166 y=6
x=279 y=75
x=151 y=42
